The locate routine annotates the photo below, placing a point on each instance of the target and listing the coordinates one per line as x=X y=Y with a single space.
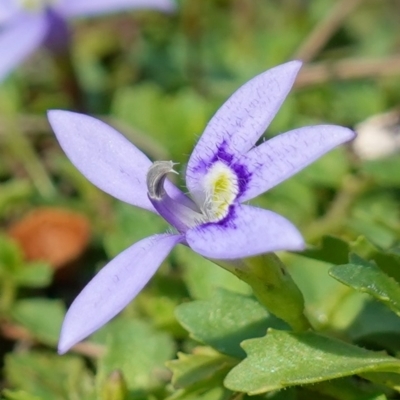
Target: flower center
x=221 y=188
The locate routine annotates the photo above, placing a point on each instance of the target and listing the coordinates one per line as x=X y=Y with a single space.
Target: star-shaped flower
x=27 y=24
x=225 y=170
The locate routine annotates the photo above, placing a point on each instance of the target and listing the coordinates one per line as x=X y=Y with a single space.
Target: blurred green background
x=159 y=79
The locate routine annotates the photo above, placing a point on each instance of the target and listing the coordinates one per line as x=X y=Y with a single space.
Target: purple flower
x=27 y=24
x=224 y=171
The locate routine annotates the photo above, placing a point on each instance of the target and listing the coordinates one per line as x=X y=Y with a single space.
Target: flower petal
x=241 y=120
x=106 y=158
x=20 y=38
x=114 y=287
x=8 y=10
x=284 y=155
x=246 y=232
x=79 y=8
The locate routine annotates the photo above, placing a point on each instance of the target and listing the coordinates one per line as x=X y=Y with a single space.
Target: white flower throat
x=220 y=189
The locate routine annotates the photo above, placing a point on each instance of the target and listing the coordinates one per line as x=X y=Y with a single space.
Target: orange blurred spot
x=55 y=235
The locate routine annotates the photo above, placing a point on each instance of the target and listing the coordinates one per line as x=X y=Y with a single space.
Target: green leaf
x=376 y=232
x=282 y=359
x=331 y=250
x=373 y=216
x=388 y=262
x=293 y=199
x=42 y=317
x=114 y=387
x=203 y=277
x=324 y=297
x=12 y=265
x=214 y=393
x=365 y=332
x=137 y=349
x=365 y=329
x=346 y=388
x=366 y=276
x=35 y=275
x=159 y=300
x=225 y=320
x=384 y=171
x=329 y=170
x=389 y=379
x=14 y=193
x=19 y=395
x=194 y=368
x=10 y=256
x=49 y=376
x=201 y=375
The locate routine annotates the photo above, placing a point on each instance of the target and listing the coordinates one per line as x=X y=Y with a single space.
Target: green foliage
x=384 y=171
x=22 y=273
x=329 y=171
x=137 y=350
x=366 y=277
x=15 y=272
x=42 y=318
x=158 y=79
x=225 y=320
x=203 y=365
x=203 y=277
x=131 y=224
x=48 y=376
x=19 y=395
x=186 y=112
x=282 y=359
x=200 y=375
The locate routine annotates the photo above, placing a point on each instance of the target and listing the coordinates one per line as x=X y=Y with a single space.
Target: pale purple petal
x=8 y=10
x=19 y=39
x=282 y=156
x=82 y=8
x=241 y=120
x=246 y=232
x=114 y=287
x=106 y=158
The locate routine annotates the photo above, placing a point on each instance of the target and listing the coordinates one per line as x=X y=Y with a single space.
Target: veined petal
x=246 y=232
x=82 y=8
x=19 y=39
x=284 y=155
x=241 y=120
x=114 y=287
x=106 y=158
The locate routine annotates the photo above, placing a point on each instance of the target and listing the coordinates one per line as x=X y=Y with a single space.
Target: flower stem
x=273 y=286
